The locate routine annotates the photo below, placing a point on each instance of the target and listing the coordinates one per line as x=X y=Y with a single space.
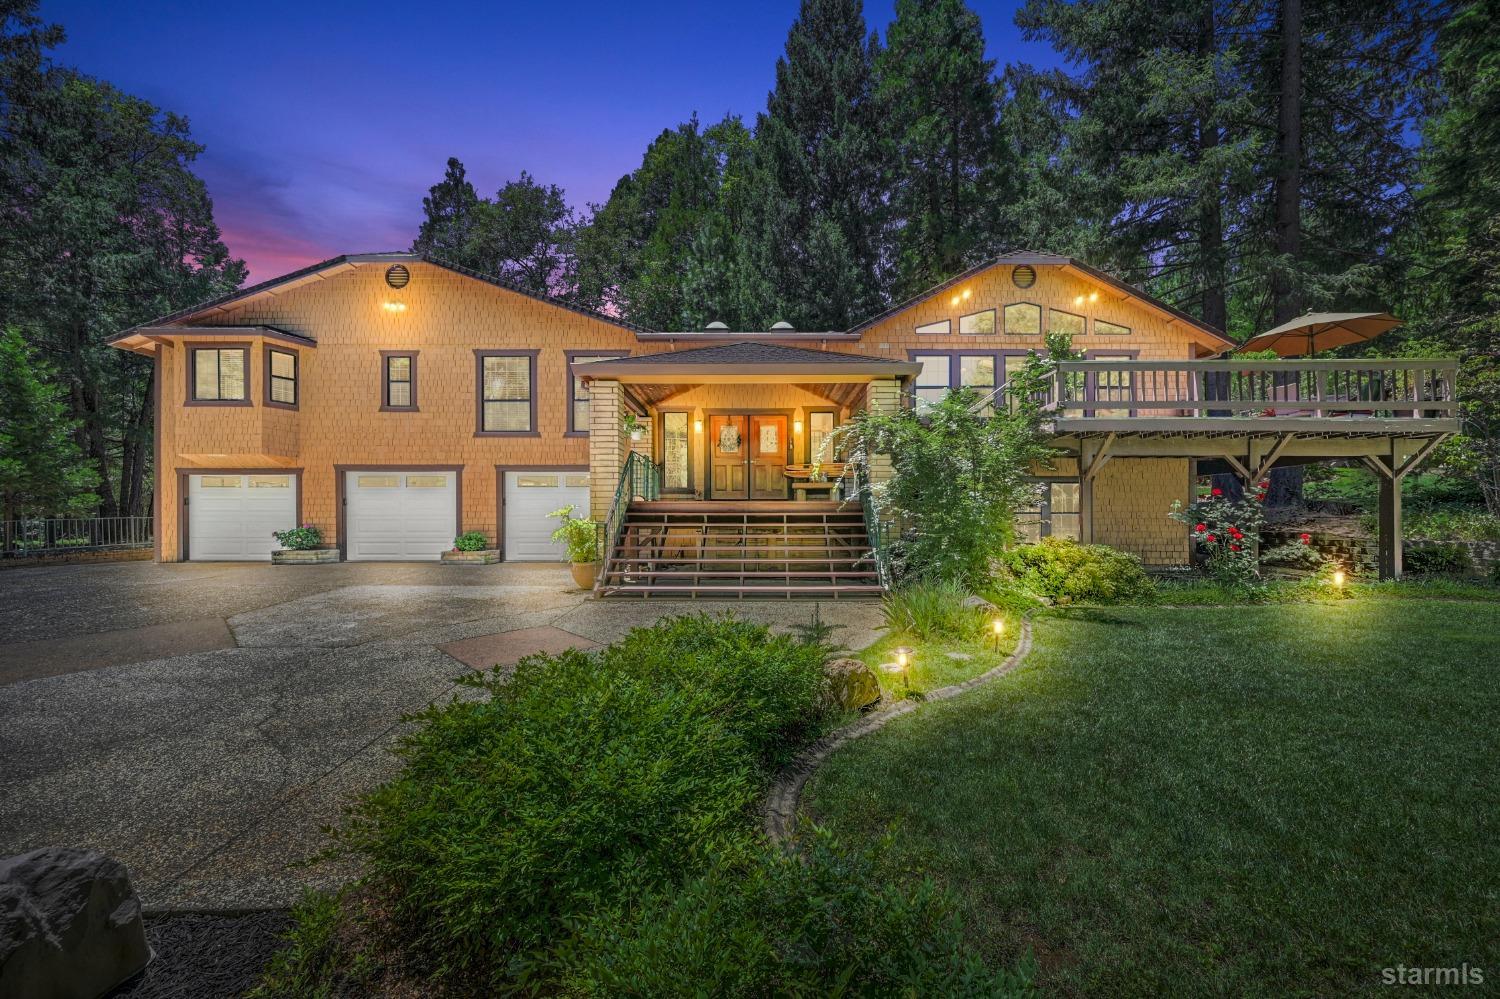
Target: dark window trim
x=1044 y=501
x=980 y=312
x=296 y=379
x=1041 y=311
x=385 y=381
x=659 y=449
x=919 y=329
x=183 y=555
x=192 y=371
x=1076 y=315
x=480 y=354
x=807 y=435
x=571 y=356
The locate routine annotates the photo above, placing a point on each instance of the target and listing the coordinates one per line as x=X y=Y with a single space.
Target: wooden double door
x=747 y=455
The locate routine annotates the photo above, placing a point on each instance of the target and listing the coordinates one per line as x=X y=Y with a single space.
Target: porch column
x=882 y=396
x=1390 y=527
x=606 y=445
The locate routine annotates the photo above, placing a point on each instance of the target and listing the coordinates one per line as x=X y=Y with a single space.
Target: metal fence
x=62 y=535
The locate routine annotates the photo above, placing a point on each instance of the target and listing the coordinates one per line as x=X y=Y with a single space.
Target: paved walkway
x=203 y=722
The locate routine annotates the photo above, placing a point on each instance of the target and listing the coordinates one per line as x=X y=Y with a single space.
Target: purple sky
x=325 y=123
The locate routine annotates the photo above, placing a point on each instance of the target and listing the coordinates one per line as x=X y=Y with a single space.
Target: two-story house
x=395 y=401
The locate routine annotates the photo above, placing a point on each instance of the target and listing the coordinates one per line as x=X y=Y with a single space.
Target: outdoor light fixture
x=395 y=306
x=903 y=663
x=697 y=426
x=953 y=300
x=1078 y=300
x=1338 y=579
x=1093 y=296
x=796 y=426
x=968 y=293
x=999 y=629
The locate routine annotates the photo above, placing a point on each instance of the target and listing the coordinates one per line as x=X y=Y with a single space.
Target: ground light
x=998 y=630
x=902 y=665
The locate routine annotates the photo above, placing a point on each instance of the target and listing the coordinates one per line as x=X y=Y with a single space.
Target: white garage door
x=400 y=516
x=529 y=497
x=231 y=517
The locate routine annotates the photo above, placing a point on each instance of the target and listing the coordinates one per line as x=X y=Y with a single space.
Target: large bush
x=1065 y=570
x=764 y=923
x=576 y=784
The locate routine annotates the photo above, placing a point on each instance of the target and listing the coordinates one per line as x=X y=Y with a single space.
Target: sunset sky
x=325 y=123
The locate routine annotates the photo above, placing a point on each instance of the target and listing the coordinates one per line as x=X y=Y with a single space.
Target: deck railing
x=1313 y=389
x=41 y=536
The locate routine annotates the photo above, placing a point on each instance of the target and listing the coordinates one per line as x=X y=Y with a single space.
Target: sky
x=325 y=123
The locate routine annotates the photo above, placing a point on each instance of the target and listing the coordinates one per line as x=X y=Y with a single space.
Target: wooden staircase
x=729 y=549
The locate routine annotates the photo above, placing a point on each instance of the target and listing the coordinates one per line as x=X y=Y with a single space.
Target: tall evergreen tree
x=448 y=215
x=938 y=98
x=42 y=470
x=524 y=235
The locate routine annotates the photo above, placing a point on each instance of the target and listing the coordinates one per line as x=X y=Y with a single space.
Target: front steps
x=732 y=550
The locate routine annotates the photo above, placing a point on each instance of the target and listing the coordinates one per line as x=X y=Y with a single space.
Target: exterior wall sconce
x=796 y=426
x=395 y=306
x=697 y=426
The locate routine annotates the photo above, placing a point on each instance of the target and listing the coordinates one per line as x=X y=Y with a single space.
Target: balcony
x=1339 y=397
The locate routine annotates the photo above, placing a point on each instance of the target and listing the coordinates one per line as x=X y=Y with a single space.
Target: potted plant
x=581 y=536
x=302 y=546
x=632 y=426
x=471 y=548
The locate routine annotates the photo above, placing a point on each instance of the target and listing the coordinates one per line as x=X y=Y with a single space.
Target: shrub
x=471 y=541
x=298 y=539
x=1437 y=560
x=313 y=963
x=1227 y=533
x=1299 y=554
x=580 y=535
x=930 y=610
x=575 y=785
x=1063 y=569
x=1452 y=525
x=765 y=923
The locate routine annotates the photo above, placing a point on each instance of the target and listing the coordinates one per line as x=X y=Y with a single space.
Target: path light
x=1338 y=579
x=999 y=629
x=902 y=665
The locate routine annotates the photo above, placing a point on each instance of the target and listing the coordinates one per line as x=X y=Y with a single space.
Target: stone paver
x=212 y=771
x=506 y=648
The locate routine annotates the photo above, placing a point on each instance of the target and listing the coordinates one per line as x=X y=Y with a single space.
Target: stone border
x=784 y=799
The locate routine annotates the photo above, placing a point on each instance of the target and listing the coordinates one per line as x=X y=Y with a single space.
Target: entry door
x=728 y=456
x=768 y=448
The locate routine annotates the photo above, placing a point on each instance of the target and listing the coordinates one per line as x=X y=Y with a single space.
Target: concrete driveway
x=203 y=722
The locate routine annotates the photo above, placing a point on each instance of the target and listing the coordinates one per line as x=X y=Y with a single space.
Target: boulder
x=70 y=925
x=848 y=684
x=977 y=603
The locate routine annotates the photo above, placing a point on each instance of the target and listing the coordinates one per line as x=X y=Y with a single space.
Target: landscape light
x=999 y=629
x=1338 y=579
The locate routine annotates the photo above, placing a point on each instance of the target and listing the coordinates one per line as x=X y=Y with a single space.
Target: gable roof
x=747 y=357
x=1204 y=333
x=348 y=261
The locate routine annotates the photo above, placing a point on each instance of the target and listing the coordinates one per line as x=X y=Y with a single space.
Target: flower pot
x=637 y=434
x=304 y=556
x=584 y=574
x=488 y=556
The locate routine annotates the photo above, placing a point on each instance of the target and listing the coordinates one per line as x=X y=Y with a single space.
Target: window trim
x=244 y=348
x=1127 y=330
x=807 y=437
x=955 y=364
x=480 y=353
x=924 y=328
x=1044 y=501
x=1076 y=315
x=385 y=381
x=271 y=379
x=992 y=310
x=1041 y=327
x=573 y=355
x=659 y=451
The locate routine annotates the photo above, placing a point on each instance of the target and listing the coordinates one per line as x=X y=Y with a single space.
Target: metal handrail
x=640 y=478
x=60 y=535
x=874 y=526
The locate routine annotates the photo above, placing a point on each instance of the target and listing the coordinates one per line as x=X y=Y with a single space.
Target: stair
x=734 y=550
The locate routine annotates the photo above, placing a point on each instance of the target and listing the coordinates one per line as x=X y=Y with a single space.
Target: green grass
x=1267 y=800
x=1202 y=593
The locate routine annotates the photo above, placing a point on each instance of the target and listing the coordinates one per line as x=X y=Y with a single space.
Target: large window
x=934 y=380
x=676 y=452
x=1059 y=321
x=1055 y=514
x=578 y=392
x=400 y=380
x=977 y=372
x=219 y=374
x=981 y=371
x=281 y=378
x=1112 y=386
x=978 y=323
x=1023 y=319
x=507 y=397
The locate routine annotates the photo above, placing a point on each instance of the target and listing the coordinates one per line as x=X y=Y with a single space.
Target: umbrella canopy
x=1322 y=331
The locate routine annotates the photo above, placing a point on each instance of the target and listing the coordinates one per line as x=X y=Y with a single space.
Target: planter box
x=307 y=556
x=487 y=557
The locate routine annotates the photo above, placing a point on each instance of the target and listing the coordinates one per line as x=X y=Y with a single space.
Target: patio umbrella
x=1322 y=331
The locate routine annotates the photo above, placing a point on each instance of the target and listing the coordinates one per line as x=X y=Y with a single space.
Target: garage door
x=529 y=497
x=231 y=517
x=400 y=516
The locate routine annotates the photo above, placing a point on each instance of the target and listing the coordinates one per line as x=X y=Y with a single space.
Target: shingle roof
x=754 y=352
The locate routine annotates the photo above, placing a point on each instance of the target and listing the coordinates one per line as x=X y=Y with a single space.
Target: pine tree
x=524 y=236
x=42 y=470
x=448 y=216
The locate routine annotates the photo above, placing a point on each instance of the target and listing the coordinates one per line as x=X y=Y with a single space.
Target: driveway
x=204 y=722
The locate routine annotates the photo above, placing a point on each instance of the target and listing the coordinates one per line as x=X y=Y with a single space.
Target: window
x=977 y=324
x=378 y=481
x=1023 y=319
x=977 y=372
x=506 y=400
x=400 y=378
x=219 y=374
x=270 y=482
x=934 y=380
x=427 y=482
x=1064 y=322
x=942 y=326
x=820 y=424
x=676 y=469
x=220 y=482
x=578 y=415
x=536 y=482
x=281 y=378
x=1055 y=514
x=577 y=480
x=1102 y=328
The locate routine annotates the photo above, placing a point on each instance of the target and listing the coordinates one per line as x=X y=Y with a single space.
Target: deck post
x=1390 y=526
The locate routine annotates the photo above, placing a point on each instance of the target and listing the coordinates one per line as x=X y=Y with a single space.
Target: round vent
x=397 y=276
x=1023 y=276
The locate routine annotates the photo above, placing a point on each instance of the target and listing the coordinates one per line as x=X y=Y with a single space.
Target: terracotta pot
x=584 y=574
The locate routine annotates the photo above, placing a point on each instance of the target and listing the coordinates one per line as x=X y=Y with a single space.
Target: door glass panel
x=674 y=450
x=536 y=481
x=270 y=482
x=427 y=482
x=730 y=438
x=769 y=441
x=219 y=482
x=378 y=481
x=1111 y=386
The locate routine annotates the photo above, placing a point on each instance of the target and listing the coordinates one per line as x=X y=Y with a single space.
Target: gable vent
x=1023 y=276
x=397 y=276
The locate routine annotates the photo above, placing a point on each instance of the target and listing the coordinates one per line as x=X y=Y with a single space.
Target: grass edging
x=784 y=798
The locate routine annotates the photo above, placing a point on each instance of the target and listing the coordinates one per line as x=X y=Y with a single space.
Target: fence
x=65 y=535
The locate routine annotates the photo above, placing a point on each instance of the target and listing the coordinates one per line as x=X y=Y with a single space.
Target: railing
x=60 y=535
x=1313 y=389
x=874 y=527
x=639 y=479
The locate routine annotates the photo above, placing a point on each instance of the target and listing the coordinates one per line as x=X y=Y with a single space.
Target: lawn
x=1272 y=799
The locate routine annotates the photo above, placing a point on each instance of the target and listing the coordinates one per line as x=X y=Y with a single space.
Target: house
x=394 y=401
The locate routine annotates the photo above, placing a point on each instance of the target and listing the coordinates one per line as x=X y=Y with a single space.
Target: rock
x=849 y=685
x=70 y=925
x=978 y=603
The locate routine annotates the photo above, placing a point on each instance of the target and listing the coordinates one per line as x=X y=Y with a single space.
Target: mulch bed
x=206 y=955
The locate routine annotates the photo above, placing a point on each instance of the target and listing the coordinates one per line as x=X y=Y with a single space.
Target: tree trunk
x=1210 y=211
x=1286 y=303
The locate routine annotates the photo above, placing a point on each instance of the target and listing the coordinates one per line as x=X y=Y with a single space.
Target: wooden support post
x=1390 y=527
